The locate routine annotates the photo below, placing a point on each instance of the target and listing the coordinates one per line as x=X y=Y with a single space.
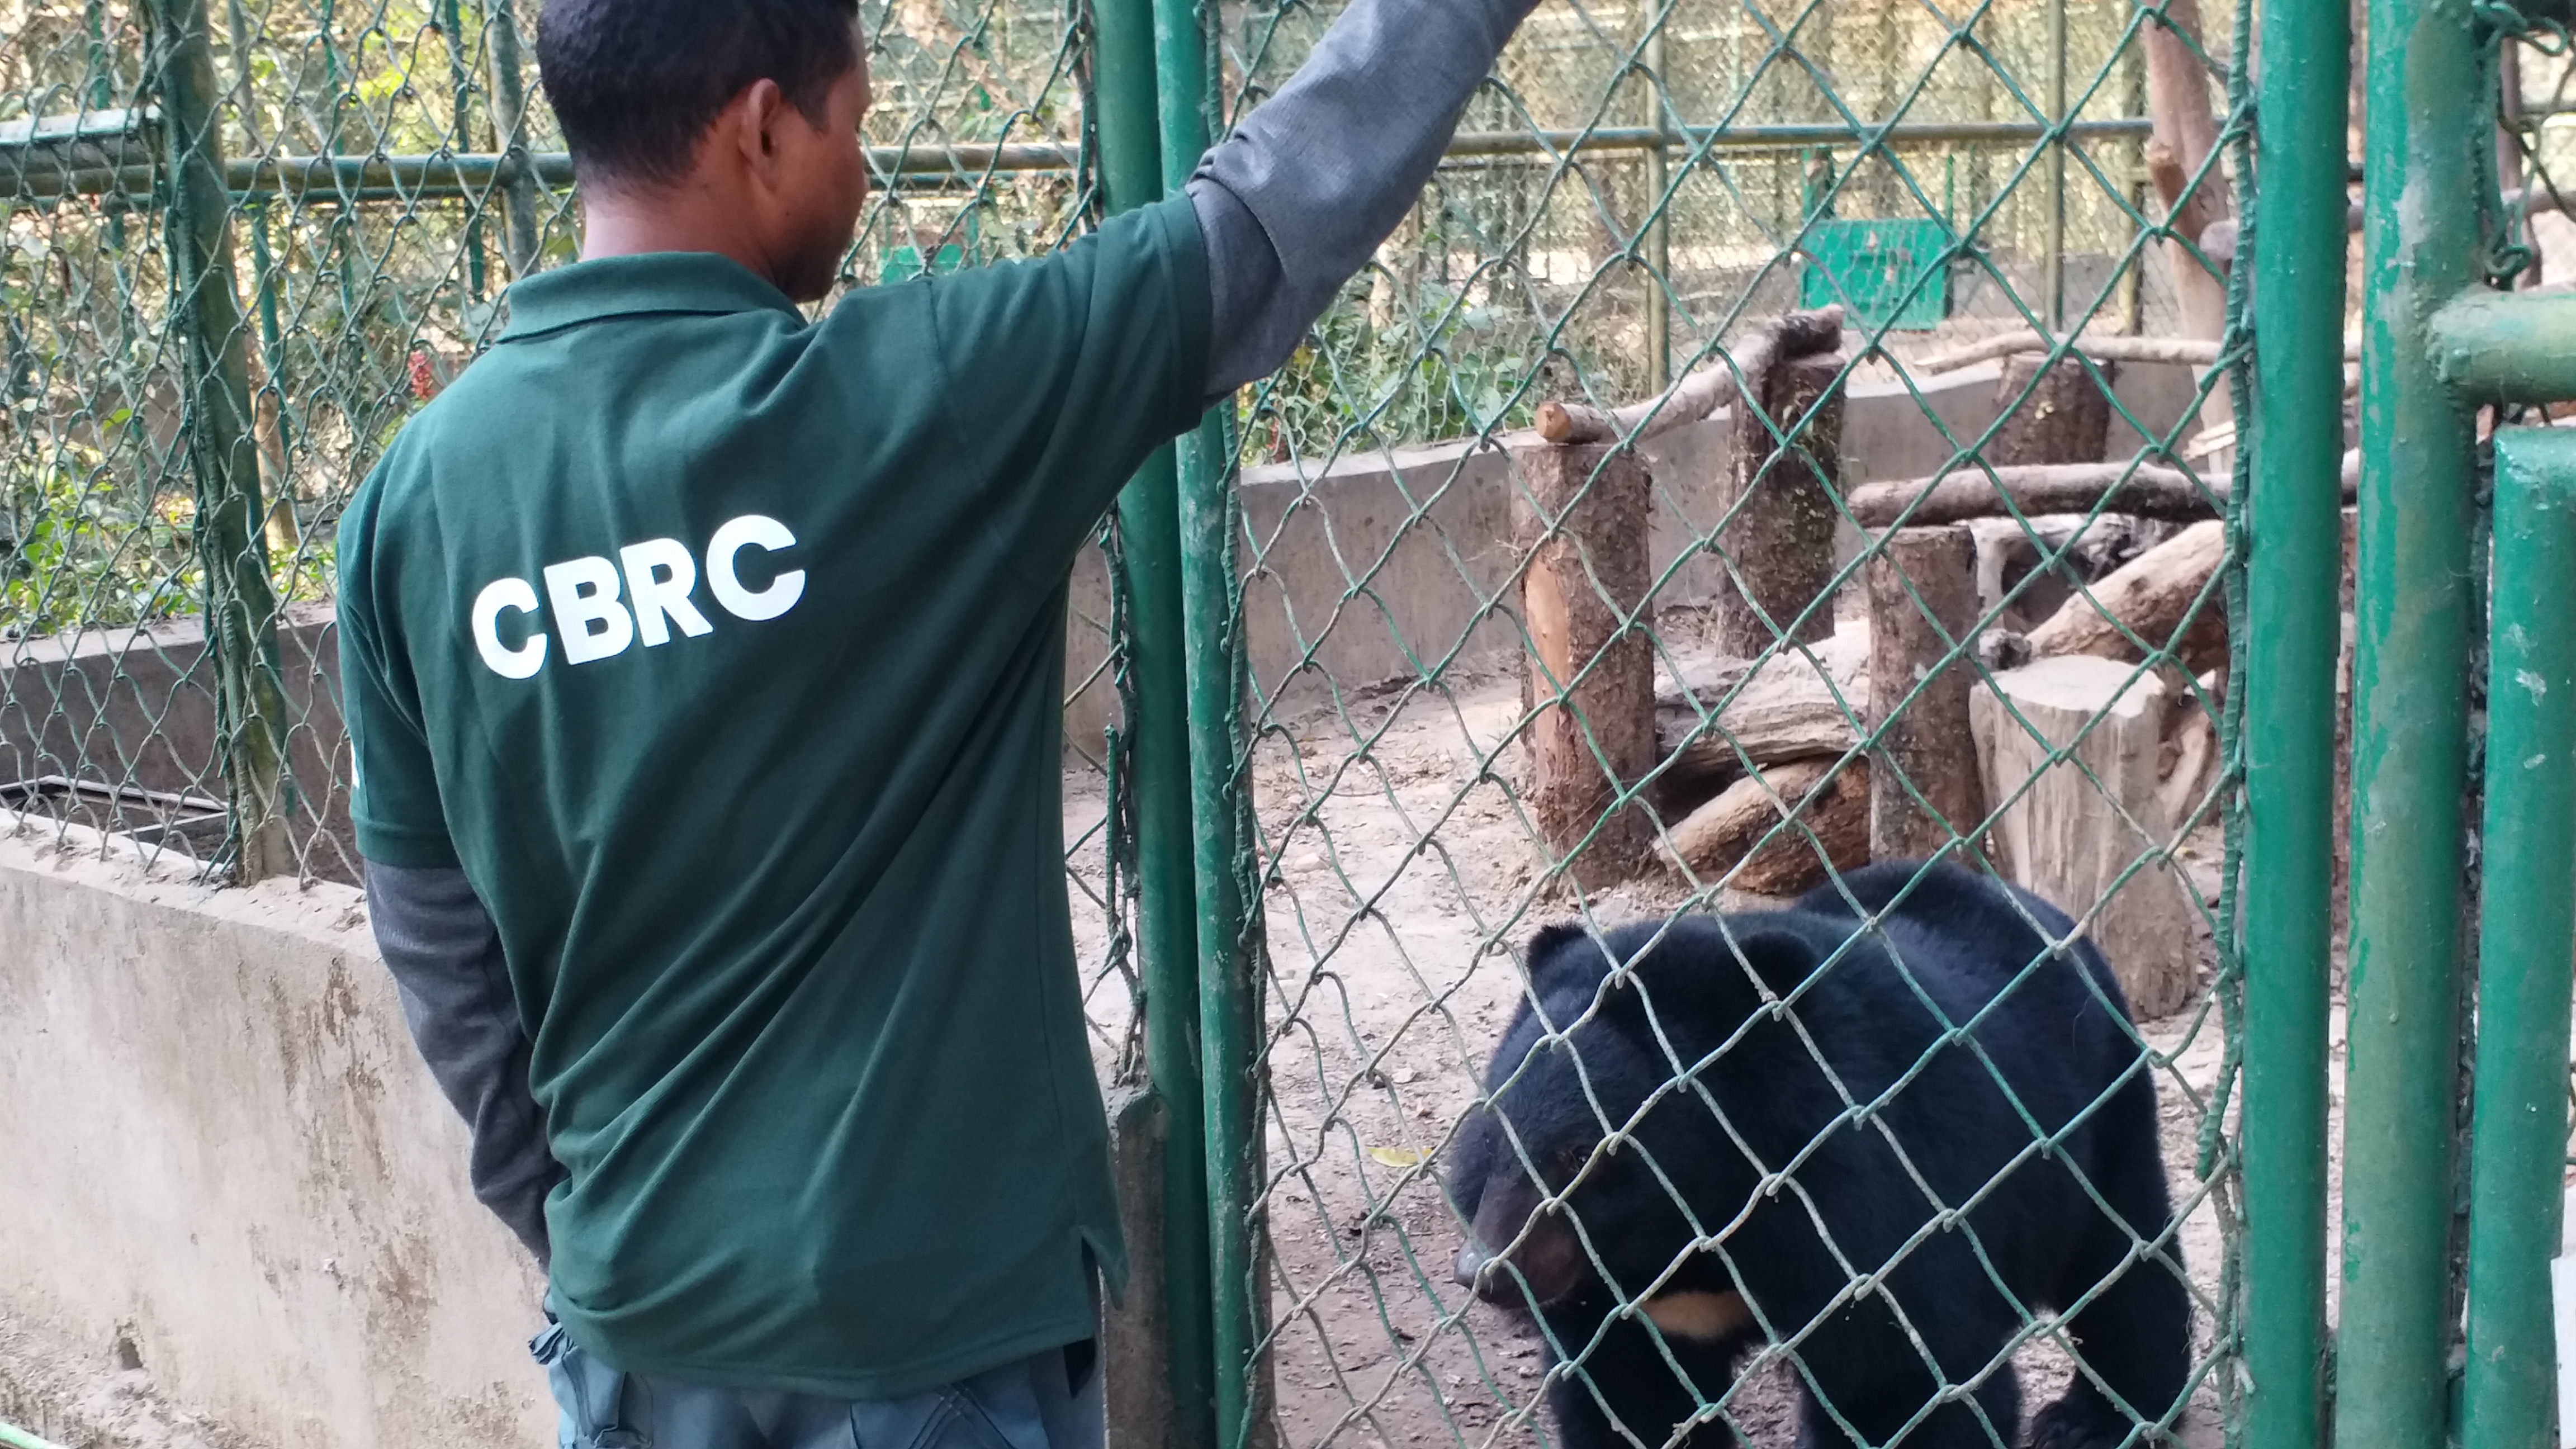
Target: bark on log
x=2149 y=597
x=2061 y=415
x=2183 y=133
x=2190 y=351
x=1581 y=523
x=1786 y=712
x=1971 y=492
x=1700 y=394
x=1829 y=803
x=1924 y=747
x=2068 y=838
x=1777 y=543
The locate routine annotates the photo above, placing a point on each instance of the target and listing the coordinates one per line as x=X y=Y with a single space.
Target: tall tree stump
x=1923 y=737
x=1580 y=521
x=2084 y=821
x=2065 y=419
x=1777 y=539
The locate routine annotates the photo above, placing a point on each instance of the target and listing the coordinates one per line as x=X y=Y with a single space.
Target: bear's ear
x=1781 y=960
x=1707 y=977
x=1563 y=954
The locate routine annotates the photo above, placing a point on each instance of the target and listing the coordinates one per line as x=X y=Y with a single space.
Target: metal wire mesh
x=218 y=304
x=1650 y=190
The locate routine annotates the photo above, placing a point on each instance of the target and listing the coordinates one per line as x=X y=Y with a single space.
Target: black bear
x=1766 y=1129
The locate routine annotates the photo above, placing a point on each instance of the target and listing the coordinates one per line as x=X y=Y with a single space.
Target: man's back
x=703 y=673
x=734 y=647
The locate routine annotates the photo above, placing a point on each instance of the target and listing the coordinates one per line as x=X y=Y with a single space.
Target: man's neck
x=677 y=219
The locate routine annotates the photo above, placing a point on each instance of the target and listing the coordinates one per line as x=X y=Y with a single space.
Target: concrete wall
x=1379 y=566
x=1371 y=569
x=221 y=1146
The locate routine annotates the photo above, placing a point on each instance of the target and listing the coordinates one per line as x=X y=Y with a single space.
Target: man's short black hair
x=635 y=83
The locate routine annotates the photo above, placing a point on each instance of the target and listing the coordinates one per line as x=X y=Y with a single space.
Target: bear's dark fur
x=1860 y=1195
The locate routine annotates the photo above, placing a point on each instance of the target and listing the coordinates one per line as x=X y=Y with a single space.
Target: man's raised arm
x=1298 y=198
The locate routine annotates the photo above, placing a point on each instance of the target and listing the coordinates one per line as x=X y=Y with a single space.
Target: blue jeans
x=1049 y=1400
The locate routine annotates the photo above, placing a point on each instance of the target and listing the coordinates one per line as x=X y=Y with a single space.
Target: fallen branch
x=1786 y=712
x=2148 y=597
x=1721 y=835
x=2190 y=351
x=1972 y=492
x=1702 y=393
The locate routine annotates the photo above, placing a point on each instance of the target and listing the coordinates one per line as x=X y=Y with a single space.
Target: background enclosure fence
x=1417 y=646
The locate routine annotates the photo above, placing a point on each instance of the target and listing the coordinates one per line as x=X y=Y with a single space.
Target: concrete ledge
x=1374 y=566
x=223 y=1150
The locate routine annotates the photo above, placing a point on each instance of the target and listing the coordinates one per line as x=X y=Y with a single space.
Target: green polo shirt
x=725 y=653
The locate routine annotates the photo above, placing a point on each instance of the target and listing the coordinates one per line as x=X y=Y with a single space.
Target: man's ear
x=755 y=116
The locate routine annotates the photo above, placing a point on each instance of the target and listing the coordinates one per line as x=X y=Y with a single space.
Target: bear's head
x=1601 y=1146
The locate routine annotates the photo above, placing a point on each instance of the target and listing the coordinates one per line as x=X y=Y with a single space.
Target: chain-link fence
x=1921 y=597
x=1913 y=578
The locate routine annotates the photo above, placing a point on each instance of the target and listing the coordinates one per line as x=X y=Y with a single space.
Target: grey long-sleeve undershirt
x=1298 y=198
x=446 y=961
x=1290 y=205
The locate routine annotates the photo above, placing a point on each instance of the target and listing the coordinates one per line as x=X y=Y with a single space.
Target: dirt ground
x=1404 y=876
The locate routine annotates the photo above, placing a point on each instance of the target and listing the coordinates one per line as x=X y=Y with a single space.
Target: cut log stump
x=1778 y=538
x=1581 y=521
x=1925 y=792
x=2068 y=838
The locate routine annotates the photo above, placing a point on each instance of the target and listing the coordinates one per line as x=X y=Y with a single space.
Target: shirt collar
x=653 y=282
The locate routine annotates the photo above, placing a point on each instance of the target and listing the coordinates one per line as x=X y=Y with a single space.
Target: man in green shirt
x=702 y=666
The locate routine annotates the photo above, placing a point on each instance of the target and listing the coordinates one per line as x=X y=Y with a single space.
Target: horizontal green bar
x=17 y=1438
x=1783 y=136
x=366 y=178
x=331 y=178
x=2507 y=347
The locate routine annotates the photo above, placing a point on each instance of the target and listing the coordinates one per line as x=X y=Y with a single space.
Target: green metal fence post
x=510 y=131
x=2422 y=162
x=241 y=607
x=2527 y=948
x=1229 y=1004
x=2293 y=559
x=1160 y=779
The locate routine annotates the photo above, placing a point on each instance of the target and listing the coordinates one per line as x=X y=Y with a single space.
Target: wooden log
x=2010 y=551
x=1777 y=541
x=1787 y=712
x=1699 y=394
x=1918 y=696
x=2058 y=415
x=2184 y=134
x=2150 y=597
x=1828 y=808
x=1580 y=521
x=1972 y=492
x=2068 y=839
x=2189 y=351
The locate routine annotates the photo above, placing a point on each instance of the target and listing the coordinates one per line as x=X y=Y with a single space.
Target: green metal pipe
x=2293 y=527
x=43 y=169
x=1131 y=175
x=510 y=131
x=1229 y=1003
x=17 y=1438
x=451 y=19
x=2507 y=347
x=2526 y=949
x=2423 y=155
x=241 y=606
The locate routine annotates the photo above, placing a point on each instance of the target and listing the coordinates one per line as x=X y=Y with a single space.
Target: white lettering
x=509 y=663
x=659 y=577
x=583 y=595
x=751 y=531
